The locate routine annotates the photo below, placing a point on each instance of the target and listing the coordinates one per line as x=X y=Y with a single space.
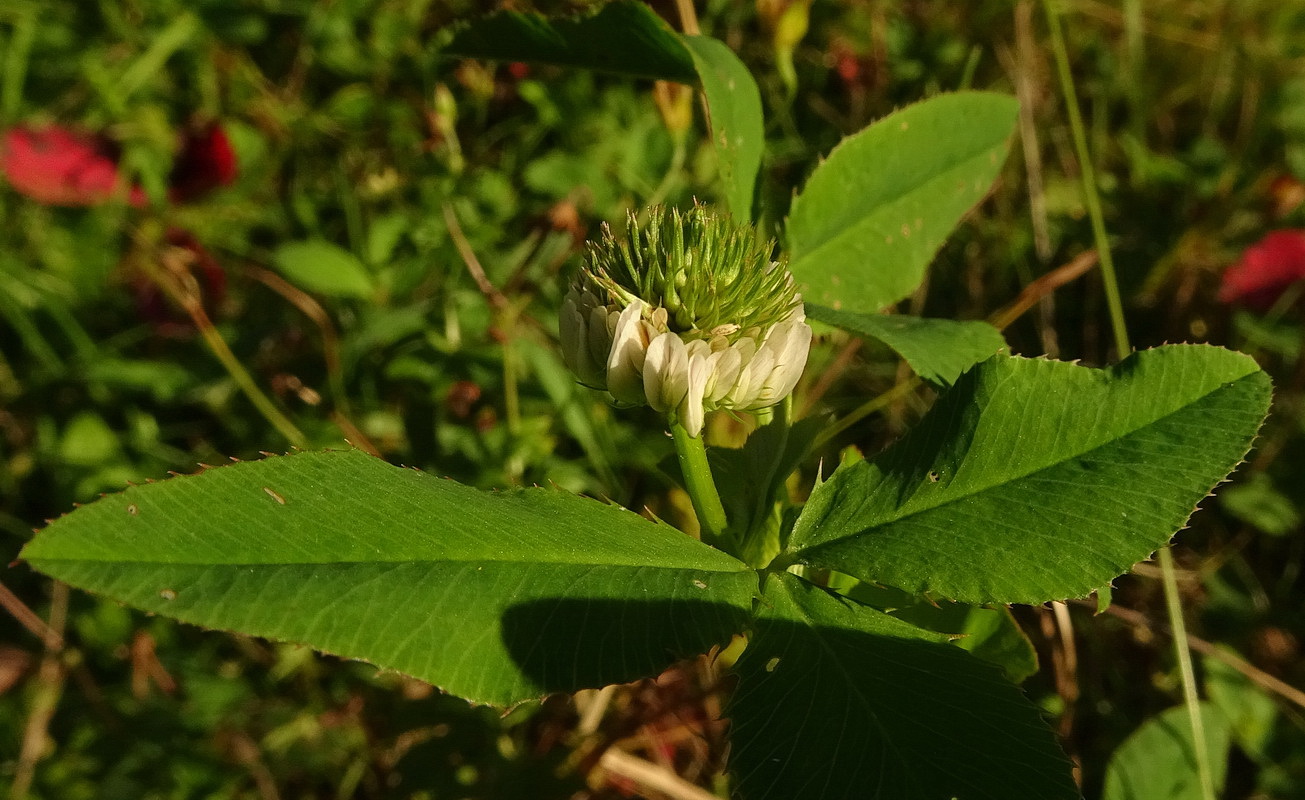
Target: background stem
x=1173 y=600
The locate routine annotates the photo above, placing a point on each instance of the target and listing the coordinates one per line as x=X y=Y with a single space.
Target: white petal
x=666 y=372
x=789 y=342
x=725 y=371
x=625 y=362
x=691 y=411
x=753 y=378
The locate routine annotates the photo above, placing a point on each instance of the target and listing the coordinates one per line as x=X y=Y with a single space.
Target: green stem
x=249 y=387
x=1122 y=346
x=218 y=346
x=692 y=454
x=1174 y=606
x=876 y=403
x=1087 y=175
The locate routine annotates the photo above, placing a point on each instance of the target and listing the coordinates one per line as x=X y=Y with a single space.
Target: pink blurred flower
x=61 y=167
x=1266 y=269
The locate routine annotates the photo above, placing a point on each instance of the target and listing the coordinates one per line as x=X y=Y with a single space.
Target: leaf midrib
x=741 y=570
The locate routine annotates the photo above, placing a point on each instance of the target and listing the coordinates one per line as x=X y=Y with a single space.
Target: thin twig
x=180 y=286
x=28 y=619
x=312 y=309
x=595 y=706
x=50 y=678
x=1067 y=669
x=688 y=17
x=1256 y=675
x=495 y=297
x=652 y=776
x=830 y=374
x=1042 y=287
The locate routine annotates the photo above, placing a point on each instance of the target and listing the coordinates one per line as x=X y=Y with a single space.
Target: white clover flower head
x=686 y=313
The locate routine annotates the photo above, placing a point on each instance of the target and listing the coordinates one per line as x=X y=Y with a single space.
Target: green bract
x=712 y=275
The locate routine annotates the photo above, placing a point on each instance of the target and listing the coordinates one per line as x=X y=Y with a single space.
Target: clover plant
x=1029 y=480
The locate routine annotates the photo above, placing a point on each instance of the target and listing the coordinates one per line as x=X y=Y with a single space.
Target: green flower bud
x=688 y=314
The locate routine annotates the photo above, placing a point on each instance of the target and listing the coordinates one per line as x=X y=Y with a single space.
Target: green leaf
x=837 y=700
x=626 y=38
x=630 y=39
x=494 y=597
x=1256 y=501
x=873 y=214
x=1035 y=480
x=751 y=478
x=320 y=266
x=939 y=350
x=735 y=117
x=1158 y=761
x=1251 y=712
x=384 y=235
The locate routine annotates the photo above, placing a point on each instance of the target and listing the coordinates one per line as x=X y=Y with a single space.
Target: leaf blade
x=348 y=554
x=625 y=38
x=871 y=217
x=1037 y=480
x=320 y=266
x=735 y=117
x=1157 y=762
x=873 y=707
x=939 y=350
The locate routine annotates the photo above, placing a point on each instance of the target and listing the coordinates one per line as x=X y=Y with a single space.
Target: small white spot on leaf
x=168 y=594
x=700 y=584
x=133 y=509
x=274 y=495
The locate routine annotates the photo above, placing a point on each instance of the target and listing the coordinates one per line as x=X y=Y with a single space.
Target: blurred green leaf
x=873 y=214
x=1256 y=501
x=1249 y=710
x=1158 y=762
x=164 y=380
x=88 y=441
x=384 y=236
x=320 y=266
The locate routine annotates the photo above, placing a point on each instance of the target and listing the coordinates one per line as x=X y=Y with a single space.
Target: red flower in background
x=206 y=162
x=60 y=167
x=1266 y=270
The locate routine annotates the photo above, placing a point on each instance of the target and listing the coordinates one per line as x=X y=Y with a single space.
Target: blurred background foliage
x=316 y=230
